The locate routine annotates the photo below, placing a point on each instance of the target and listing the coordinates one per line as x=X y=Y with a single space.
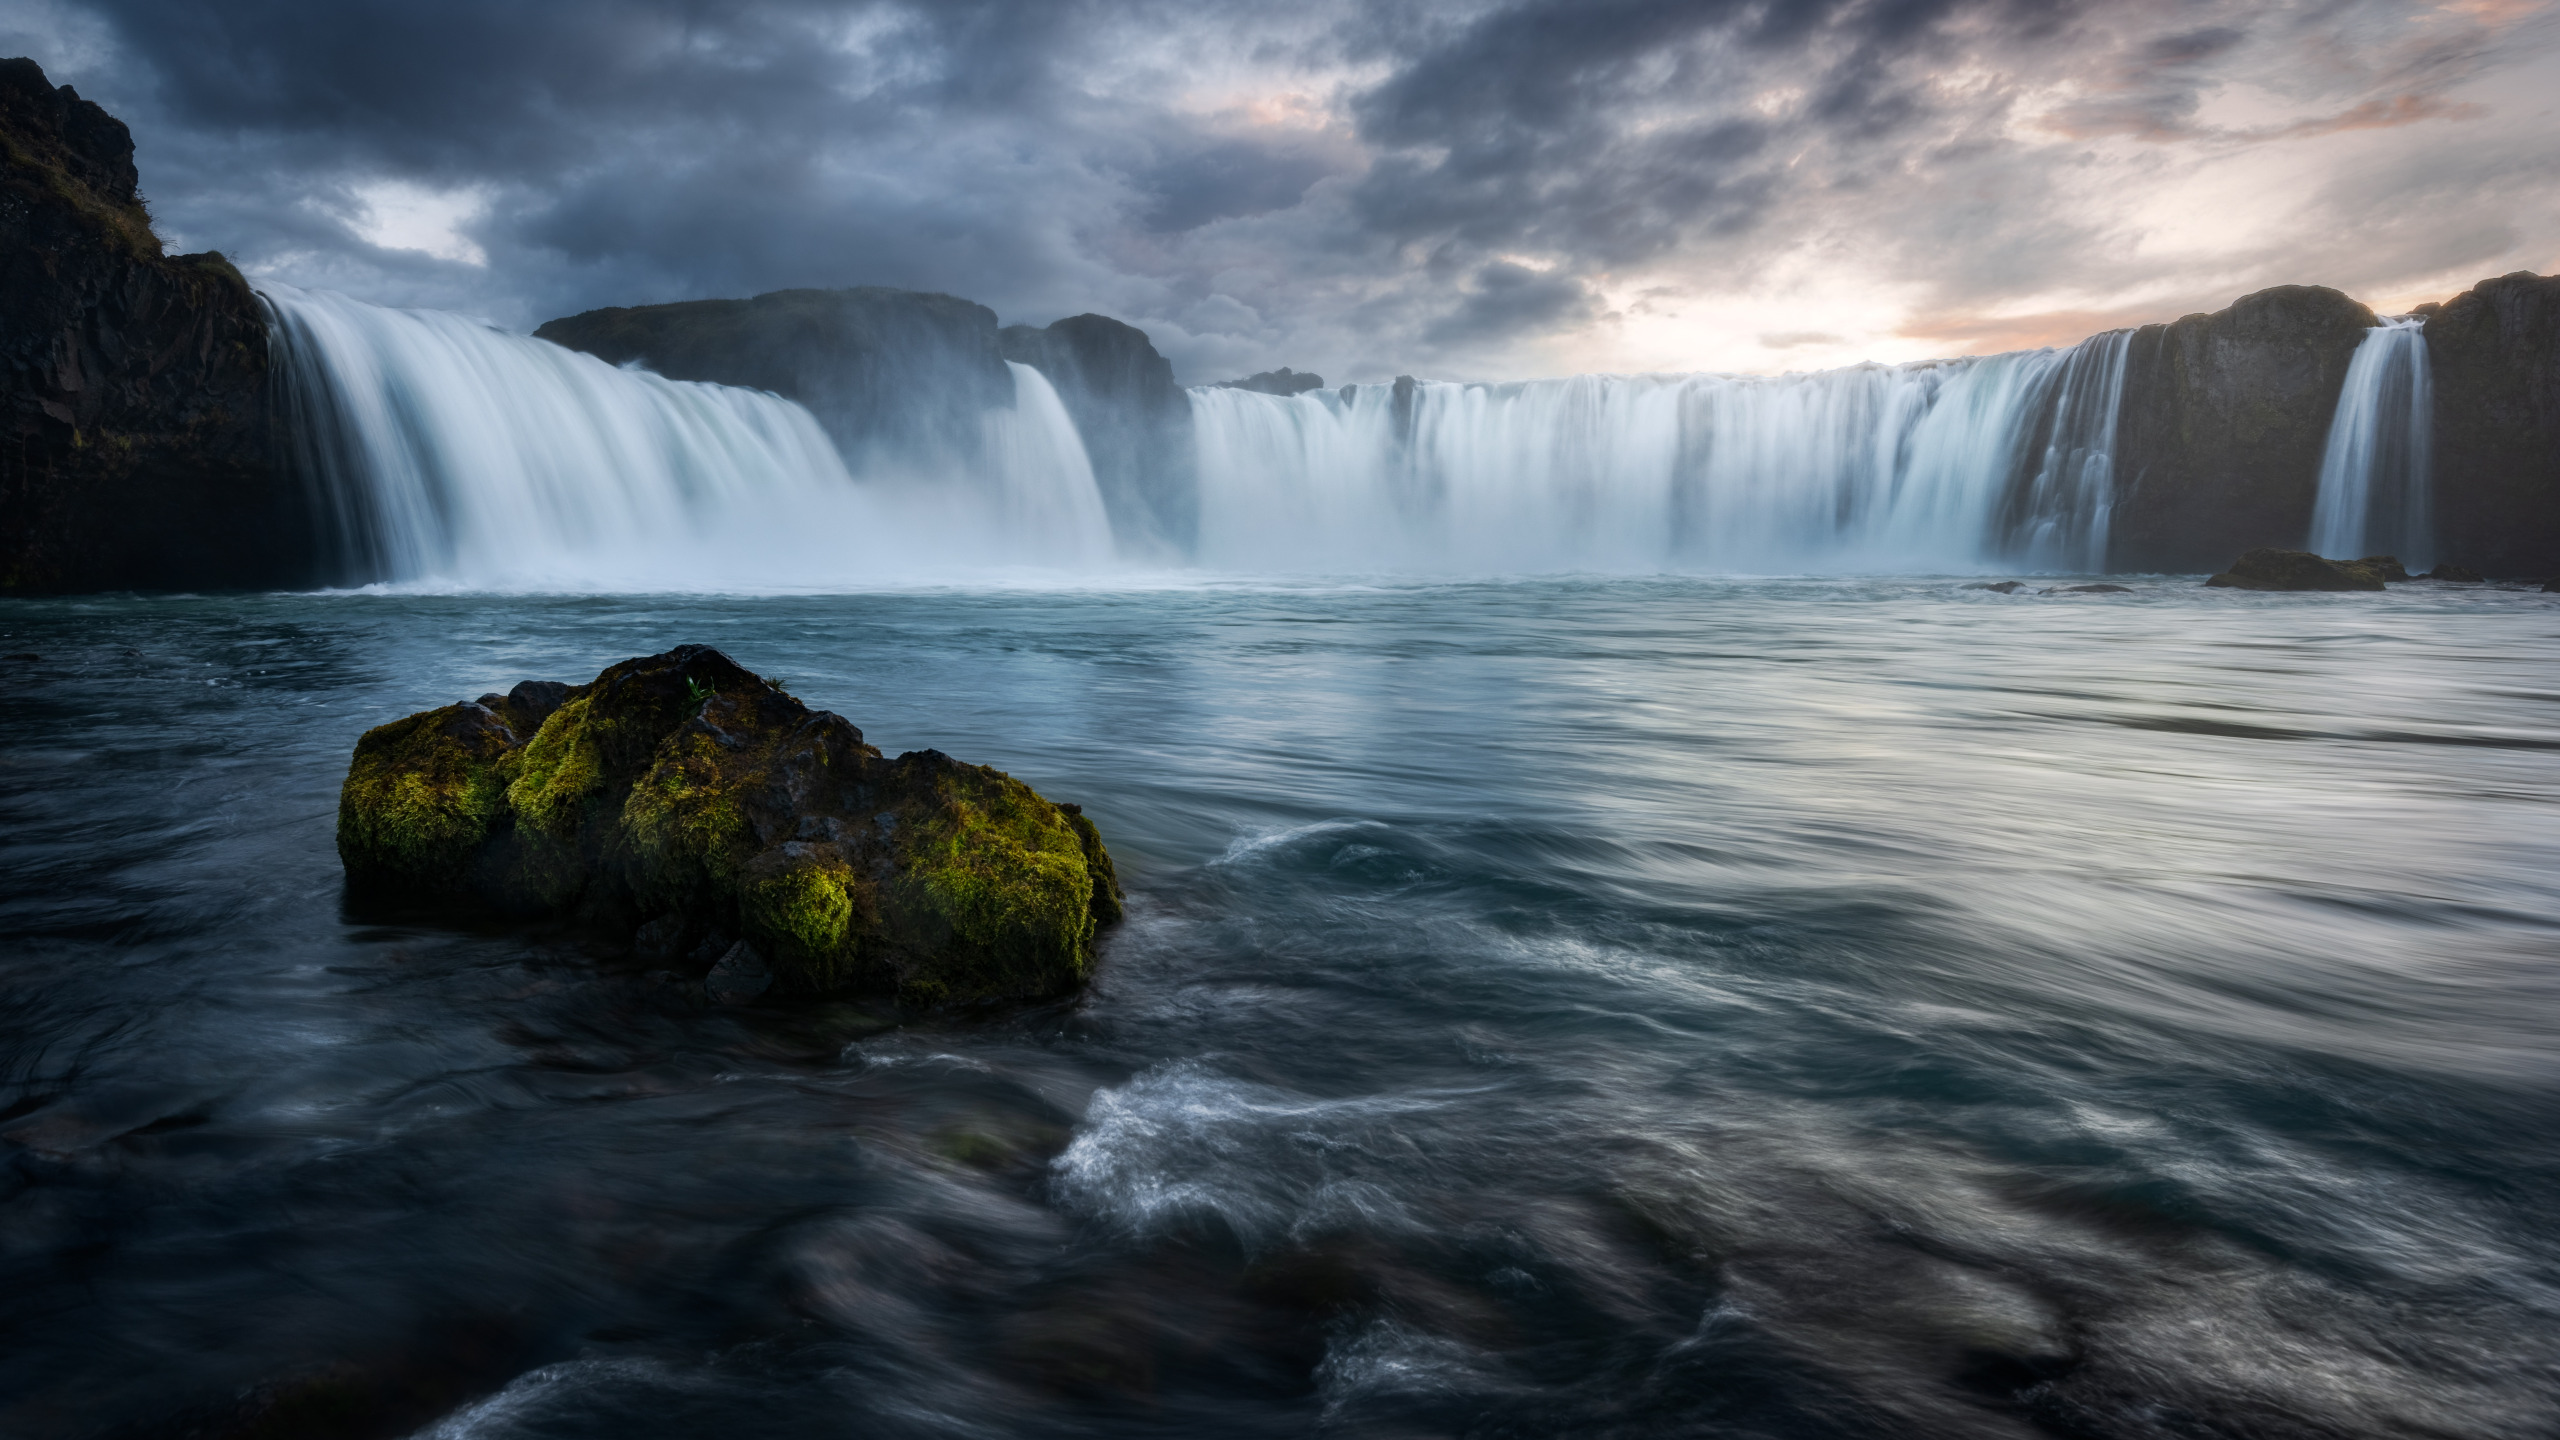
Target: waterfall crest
x=1943 y=465
x=2375 y=489
x=444 y=451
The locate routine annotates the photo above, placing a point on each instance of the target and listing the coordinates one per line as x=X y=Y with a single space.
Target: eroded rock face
x=2493 y=353
x=2225 y=418
x=888 y=373
x=136 y=448
x=695 y=808
x=2268 y=568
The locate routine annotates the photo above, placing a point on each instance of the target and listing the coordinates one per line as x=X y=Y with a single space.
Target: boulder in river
x=2268 y=568
x=2386 y=566
x=678 y=799
x=2462 y=574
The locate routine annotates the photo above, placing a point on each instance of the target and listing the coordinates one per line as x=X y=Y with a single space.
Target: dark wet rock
x=2003 y=587
x=1283 y=381
x=2268 y=568
x=135 y=443
x=664 y=805
x=2551 y=586
x=2386 y=566
x=738 y=977
x=892 y=374
x=2225 y=418
x=1135 y=422
x=2088 y=590
x=2461 y=573
x=2493 y=358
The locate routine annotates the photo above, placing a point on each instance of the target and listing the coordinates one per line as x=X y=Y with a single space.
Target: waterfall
x=1944 y=465
x=2374 y=486
x=445 y=451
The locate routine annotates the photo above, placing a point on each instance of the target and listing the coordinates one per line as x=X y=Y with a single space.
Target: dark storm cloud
x=1366 y=186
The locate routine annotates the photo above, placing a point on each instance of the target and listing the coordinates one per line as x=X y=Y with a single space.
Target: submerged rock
x=2088 y=590
x=694 y=808
x=2463 y=574
x=2268 y=568
x=2003 y=587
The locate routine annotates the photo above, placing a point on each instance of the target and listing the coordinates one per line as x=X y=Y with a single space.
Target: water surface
x=1754 y=1008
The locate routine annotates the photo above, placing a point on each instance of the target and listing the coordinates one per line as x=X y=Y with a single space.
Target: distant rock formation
x=136 y=445
x=2269 y=568
x=2225 y=417
x=1135 y=421
x=2494 y=354
x=1283 y=381
x=890 y=373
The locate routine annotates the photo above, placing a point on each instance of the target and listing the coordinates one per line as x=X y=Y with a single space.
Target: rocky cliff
x=2225 y=416
x=136 y=448
x=891 y=374
x=2494 y=356
x=1135 y=421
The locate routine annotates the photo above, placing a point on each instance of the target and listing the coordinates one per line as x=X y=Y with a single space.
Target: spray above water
x=2375 y=495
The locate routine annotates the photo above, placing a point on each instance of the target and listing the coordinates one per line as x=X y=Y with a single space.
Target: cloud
x=1484 y=187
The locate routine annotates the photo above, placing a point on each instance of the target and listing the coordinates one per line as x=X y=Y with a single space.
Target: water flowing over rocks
x=1135 y=421
x=137 y=449
x=167 y=429
x=691 y=807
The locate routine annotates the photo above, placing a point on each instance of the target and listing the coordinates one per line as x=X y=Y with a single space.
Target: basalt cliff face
x=138 y=449
x=891 y=374
x=1136 y=424
x=2494 y=354
x=2225 y=418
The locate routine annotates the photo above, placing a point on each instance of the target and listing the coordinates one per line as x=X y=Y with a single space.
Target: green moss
x=562 y=769
x=808 y=917
x=422 y=796
x=684 y=830
x=1001 y=873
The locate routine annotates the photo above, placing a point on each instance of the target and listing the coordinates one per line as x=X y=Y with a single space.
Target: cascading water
x=447 y=451
x=452 y=453
x=2374 y=484
x=1945 y=465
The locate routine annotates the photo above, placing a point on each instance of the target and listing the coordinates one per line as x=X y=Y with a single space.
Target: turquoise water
x=1767 y=1008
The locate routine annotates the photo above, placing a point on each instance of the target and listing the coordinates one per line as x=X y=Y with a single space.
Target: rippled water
x=1780 y=1008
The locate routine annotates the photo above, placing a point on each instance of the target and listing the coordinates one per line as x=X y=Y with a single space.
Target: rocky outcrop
x=1135 y=421
x=2225 y=417
x=2493 y=355
x=1283 y=381
x=136 y=448
x=695 y=810
x=892 y=374
x=2268 y=568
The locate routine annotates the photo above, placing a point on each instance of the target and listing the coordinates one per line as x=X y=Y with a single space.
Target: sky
x=1458 y=189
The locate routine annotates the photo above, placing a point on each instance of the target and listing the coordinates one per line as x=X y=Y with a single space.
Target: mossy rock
x=683 y=793
x=2268 y=568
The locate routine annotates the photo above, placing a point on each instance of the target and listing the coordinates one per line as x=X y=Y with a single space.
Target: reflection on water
x=1628 y=1008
